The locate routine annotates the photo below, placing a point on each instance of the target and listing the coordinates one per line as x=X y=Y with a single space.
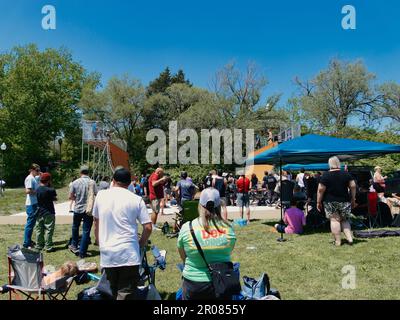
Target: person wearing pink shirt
x=293 y=221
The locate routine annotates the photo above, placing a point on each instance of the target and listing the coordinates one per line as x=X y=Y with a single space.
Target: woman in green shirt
x=217 y=239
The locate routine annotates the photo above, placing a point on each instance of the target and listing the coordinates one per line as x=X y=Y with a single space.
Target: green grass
x=304 y=267
x=13 y=200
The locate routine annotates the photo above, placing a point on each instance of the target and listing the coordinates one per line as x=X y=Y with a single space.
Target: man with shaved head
x=156 y=187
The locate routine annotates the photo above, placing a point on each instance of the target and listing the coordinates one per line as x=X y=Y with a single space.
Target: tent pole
x=281 y=239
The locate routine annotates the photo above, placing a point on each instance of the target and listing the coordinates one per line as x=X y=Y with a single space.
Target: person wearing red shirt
x=243 y=187
x=156 y=189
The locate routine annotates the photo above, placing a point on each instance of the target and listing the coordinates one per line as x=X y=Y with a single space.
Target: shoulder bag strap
x=198 y=246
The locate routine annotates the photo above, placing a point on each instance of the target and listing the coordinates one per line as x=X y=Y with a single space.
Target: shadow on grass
x=93 y=253
x=167 y=296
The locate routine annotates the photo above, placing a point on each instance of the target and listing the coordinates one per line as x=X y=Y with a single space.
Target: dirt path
x=64 y=217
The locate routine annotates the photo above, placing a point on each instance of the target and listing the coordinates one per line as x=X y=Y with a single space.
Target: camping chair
x=373 y=210
x=59 y=289
x=188 y=213
x=25 y=274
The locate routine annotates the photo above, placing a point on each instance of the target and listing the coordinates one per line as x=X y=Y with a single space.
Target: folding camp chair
x=373 y=210
x=188 y=213
x=59 y=289
x=25 y=275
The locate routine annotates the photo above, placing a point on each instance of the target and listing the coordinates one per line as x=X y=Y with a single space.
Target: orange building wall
x=259 y=169
x=119 y=157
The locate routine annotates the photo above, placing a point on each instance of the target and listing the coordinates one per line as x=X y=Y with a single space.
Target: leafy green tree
x=165 y=80
x=120 y=106
x=389 y=163
x=39 y=94
x=337 y=95
x=390 y=106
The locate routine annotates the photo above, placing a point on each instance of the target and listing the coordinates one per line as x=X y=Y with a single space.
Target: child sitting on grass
x=293 y=221
x=68 y=269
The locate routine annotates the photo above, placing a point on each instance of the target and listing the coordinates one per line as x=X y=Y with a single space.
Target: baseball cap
x=210 y=198
x=122 y=176
x=84 y=168
x=45 y=177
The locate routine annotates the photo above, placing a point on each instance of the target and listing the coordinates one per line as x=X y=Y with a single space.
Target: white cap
x=210 y=195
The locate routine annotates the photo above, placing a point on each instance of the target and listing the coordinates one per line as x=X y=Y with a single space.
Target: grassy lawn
x=13 y=200
x=304 y=267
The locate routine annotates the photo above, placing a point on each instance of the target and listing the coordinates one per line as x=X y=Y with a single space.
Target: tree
x=39 y=94
x=120 y=106
x=390 y=106
x=165 y=80
x=240 y=93
x=338 y=94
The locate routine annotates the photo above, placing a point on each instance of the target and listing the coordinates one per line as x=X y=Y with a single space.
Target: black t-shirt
x=254 y=182
x=45 y=197
x=337 y=186
x=362 y=198
x=219 y=184
x=312 y=186
x=270 y=182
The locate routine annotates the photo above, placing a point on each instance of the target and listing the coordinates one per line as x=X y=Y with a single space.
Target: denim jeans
x=30 y=224
x=87 y=226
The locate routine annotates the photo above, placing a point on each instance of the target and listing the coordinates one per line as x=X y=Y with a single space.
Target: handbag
x=225 y=280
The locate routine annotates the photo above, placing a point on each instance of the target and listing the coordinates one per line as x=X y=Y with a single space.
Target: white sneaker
x=156 y=228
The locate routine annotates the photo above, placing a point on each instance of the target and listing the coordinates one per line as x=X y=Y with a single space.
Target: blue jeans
x=87 y=226
x=30 y=224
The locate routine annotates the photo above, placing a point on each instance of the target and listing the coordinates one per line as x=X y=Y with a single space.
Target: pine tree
x=160 y=84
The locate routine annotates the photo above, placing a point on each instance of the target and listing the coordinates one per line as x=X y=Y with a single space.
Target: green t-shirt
x=217 y=247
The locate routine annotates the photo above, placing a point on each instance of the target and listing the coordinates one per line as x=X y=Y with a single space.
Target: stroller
x=146 y=289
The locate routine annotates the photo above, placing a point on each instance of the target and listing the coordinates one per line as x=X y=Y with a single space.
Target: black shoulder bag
x=225 y=280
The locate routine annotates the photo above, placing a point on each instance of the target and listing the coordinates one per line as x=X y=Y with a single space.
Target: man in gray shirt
x=79 y=192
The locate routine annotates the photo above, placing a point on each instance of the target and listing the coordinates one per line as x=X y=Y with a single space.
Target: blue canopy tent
x=311 y=149
x=307 y=167
x=314 y=149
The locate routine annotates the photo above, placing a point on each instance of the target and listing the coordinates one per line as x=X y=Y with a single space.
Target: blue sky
x=285 y=38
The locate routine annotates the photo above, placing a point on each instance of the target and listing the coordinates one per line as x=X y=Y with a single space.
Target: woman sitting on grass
x=293 y=221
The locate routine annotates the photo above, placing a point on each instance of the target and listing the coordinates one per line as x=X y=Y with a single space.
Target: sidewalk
x=64 y=217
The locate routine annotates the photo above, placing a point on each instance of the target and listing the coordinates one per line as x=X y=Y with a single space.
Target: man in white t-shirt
x=31 y=203
x=116 y=213
x=300 y=180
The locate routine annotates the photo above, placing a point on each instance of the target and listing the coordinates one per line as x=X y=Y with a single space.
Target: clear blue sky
x=285 y=38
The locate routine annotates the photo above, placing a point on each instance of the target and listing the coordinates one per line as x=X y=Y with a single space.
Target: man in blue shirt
x=185 y=189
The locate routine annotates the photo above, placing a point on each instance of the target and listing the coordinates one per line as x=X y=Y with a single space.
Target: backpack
x=256 y=289
x=90 y=198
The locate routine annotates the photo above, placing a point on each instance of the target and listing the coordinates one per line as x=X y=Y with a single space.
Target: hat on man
x=122 y=176
x=45 y=177
x=210 y=198
x=84 y=169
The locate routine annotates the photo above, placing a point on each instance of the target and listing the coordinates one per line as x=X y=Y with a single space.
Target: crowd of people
x=117 y=205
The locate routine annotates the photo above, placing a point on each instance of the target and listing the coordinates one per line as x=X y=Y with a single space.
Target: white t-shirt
x=31 y=183
x=300 y=180
x=119 y=211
